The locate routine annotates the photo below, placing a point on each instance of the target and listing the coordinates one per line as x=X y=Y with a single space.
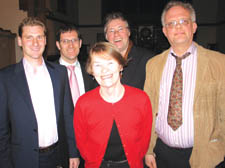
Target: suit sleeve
x=146 y=126
x=5 y=160
x=221 y=113
x=68 y=116
x=148 y=88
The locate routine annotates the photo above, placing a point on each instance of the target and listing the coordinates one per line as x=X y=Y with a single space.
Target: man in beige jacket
x=199 y=142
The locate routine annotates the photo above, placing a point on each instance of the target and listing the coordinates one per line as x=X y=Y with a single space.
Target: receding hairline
x=186 y=6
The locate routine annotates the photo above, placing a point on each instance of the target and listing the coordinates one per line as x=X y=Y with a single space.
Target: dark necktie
x=174 y=117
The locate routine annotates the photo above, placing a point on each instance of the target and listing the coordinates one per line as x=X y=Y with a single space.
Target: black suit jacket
x=89 y=84
x=134 y=73
x=18 y=125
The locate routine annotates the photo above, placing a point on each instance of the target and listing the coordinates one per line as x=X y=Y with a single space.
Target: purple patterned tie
x=174 y=117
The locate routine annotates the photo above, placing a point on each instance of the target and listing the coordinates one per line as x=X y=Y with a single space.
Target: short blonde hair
x=31 y=21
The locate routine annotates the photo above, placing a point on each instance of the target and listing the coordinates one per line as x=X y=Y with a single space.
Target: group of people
x=122 y=108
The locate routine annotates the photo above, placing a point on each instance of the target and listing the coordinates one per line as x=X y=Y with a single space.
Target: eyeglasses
x=174 y=23
x=118 y=30
x=67 y=41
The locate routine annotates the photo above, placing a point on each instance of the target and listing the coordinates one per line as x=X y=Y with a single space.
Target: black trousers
x=109 y=164
x=168 y=157
x=49 y=159
x=82 y=164
x=221 y=165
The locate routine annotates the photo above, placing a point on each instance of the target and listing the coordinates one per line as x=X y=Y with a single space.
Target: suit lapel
x=56 y=87
x=161 y=66
x=20 y=82
x=202 y=64
x=85 y=78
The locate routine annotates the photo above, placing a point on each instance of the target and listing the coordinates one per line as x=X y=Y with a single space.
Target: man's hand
x=74 y=162
x=150 y=161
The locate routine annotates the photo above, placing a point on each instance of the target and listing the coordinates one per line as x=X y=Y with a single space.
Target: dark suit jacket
x=89 y=84
x=18 y=125
x=134 y=72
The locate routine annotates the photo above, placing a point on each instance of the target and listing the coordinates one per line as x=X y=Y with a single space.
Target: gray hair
x=114 y=16
x=186 y=6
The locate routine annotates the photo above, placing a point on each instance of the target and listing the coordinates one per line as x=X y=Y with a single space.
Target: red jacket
x=93 y=120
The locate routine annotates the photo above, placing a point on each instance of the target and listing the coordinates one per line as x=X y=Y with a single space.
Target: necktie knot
x=179 y=59
x=71 y=68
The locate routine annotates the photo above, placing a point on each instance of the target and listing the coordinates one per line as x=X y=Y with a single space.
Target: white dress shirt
x=42 y=96
x=78 y=73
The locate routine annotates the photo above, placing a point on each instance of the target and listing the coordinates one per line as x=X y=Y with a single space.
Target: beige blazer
x=209 y=105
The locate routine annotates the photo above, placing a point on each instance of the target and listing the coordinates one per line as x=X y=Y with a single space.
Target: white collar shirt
x=78 y=73
x=42 y=96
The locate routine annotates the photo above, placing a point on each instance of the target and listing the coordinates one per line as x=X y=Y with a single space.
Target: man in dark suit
x=117 y=32
x=36 y=108
x=69 y=42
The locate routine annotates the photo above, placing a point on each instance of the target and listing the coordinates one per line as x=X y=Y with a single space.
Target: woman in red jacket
x=112 y=122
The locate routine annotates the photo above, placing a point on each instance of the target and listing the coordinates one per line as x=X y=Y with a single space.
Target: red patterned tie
x=73 y=84
x=174 y=117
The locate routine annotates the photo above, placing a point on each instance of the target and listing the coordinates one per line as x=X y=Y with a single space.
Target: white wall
x=10 y=18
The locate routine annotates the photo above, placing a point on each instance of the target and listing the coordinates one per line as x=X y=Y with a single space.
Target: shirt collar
x=191 y=49
x=62 y=62
x=29 y=68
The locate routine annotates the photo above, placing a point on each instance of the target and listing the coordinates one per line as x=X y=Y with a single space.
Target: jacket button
x=35 y=130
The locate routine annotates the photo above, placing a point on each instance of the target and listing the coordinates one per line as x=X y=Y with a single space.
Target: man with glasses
x=186 y=85
x=68 y=41
x=117 y=32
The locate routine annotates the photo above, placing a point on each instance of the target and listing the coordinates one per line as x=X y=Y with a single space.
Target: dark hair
x=113 y=16
x=67 y=28
x=184 y=5
x=105 y=50
x=31 y=21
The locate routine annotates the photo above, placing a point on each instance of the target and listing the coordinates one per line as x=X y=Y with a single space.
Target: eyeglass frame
x=68 y=41
x=120 y=29
x=182 y=22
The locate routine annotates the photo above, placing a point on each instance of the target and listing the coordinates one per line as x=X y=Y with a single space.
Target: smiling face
x=118 y=33
x=179 y=35
x=69 y=46
x=32 y=41
x=106 y=70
